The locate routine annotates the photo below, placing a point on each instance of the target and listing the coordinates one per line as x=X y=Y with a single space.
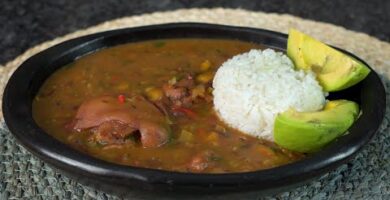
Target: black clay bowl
x=29 y=77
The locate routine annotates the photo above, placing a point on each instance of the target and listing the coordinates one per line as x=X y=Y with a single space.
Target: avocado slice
x=294 y=48
x=308 y=132
x=334 y=70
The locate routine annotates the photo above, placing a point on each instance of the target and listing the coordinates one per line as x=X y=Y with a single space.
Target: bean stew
x=149 y=104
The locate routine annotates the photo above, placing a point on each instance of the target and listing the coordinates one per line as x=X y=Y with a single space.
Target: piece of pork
x=201 y=162
x=112 y=121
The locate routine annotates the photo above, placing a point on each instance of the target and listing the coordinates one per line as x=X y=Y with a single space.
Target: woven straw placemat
x=367 y=176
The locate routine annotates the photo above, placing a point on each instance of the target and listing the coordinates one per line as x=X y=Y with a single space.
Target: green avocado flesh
x=334 y=70
x=308 y=132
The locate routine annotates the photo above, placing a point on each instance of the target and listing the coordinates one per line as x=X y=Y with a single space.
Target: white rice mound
x=250 y=89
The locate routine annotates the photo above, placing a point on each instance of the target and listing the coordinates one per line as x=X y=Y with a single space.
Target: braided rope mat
x=367 y=176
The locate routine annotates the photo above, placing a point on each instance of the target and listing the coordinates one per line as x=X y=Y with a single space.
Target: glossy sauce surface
x=198 y=141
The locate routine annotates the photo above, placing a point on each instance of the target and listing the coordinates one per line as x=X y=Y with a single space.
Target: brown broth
x=131 y=68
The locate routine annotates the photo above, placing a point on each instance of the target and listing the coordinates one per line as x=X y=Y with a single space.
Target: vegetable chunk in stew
x=149 y=104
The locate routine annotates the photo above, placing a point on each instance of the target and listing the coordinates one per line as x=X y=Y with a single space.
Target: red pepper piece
x=185 y=111
x=121 y=98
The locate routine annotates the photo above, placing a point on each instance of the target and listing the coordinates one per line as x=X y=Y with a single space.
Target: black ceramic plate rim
x=60 y=155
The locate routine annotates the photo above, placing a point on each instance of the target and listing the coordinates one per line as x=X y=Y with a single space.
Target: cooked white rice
x=251 y=88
